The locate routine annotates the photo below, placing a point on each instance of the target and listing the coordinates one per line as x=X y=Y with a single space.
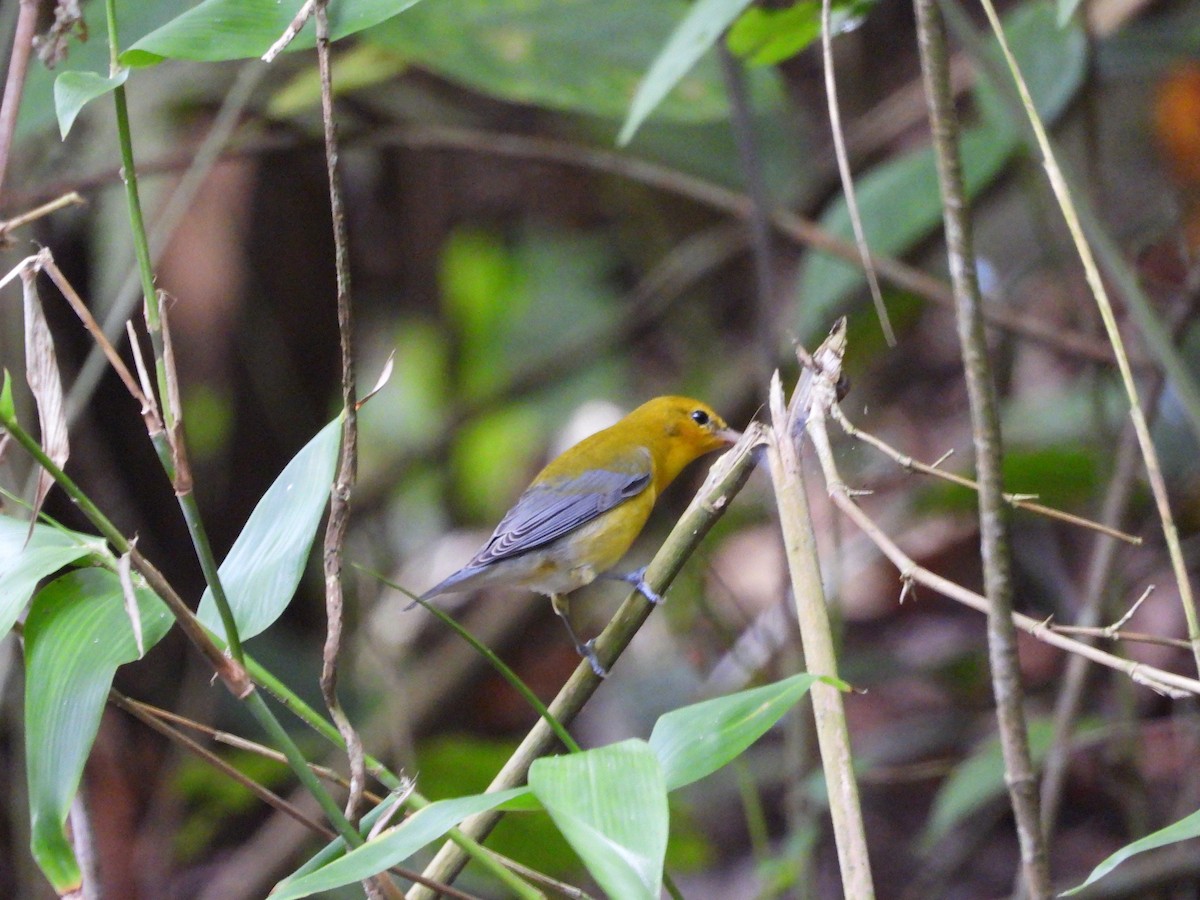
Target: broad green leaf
x=75 y=90
x=264 y=566
x=699 y=29
x=241 y=29
x=695 y=741
x=27 y=557
x=980 y=779
x=900 y=199
x=1185 y=829
x=394 y=845
x=578 y=55
x=611 y=805
x=77 y=634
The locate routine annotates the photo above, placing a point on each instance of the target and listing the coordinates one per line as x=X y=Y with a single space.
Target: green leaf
x=77 y=634
x=1185 y=829
x=695 y=741
x=241 y=29
x=27 y=557
x=579 y=55
x=611 y=805
x=394 y=845
x=900 y=199
x=704 y=22
x=264 y=566
x=75 y=90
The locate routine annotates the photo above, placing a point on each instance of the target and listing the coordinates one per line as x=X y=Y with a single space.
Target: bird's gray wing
x=549 y=510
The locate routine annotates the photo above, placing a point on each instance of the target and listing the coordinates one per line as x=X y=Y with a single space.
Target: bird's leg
x=586 y=649
x=638 y=579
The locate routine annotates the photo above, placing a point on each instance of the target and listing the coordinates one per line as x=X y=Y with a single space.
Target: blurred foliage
x=503 y=285
x=212 y=799
x=764 y=36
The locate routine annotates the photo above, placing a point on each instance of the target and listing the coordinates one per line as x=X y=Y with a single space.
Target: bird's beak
x=729 y=436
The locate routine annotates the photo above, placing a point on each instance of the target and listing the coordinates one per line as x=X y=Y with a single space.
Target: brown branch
x=339 y=504
x=14 y=84
x=71 y=198
x=1019 y=501
x=985 y=428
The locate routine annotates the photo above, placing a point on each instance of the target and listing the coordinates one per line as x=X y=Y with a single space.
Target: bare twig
x=14 y=84
x=1111 y=634
x=289 y=34
x=847 y=177
x=1018 y=501
x=985 y=429
x=149 y=408
x=70 y=198
x=339 y=505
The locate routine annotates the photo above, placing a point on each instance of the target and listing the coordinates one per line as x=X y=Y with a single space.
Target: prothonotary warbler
x=585 y=508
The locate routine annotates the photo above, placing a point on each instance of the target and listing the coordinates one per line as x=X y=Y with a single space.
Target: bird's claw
x=588 y=651
x=638 y=579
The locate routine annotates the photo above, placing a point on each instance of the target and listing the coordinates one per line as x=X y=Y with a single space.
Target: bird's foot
x=588 y=651
x=638 y=579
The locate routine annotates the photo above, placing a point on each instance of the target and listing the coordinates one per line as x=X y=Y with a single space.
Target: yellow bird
x=587 y=506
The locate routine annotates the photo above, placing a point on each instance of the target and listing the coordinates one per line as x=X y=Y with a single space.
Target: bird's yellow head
x=678 y=430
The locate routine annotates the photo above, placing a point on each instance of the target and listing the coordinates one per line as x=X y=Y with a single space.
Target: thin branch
x=240 y=743
x=293 y=29
x=1018 y=501
x=14 y=84
x=985 y=428
x=339 y=504
x=71 y=198
x=847 y=177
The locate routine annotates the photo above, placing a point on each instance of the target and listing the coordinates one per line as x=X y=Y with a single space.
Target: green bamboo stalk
x=795 y=521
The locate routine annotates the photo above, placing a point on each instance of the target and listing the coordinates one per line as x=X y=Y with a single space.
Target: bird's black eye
x=700 y=417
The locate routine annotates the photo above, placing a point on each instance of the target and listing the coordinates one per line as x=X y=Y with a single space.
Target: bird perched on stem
x=584 y=510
